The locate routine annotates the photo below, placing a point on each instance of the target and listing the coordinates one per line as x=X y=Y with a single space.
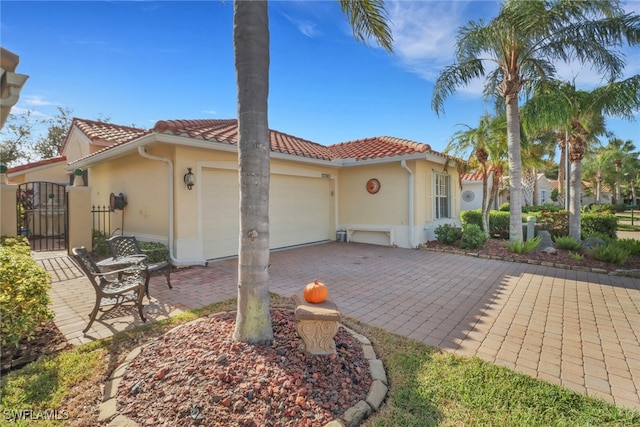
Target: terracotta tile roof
x=474 y=176
x=39 y=163
x=107 y=132
x=227 y=131
x=377 y=147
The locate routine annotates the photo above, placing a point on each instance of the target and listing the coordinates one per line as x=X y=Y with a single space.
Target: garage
x=300 y=211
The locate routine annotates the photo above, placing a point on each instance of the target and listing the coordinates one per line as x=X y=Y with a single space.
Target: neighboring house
x=588 y=193
x=471 y=196
x=51 y=170
x=541 y=192
x=380 y=190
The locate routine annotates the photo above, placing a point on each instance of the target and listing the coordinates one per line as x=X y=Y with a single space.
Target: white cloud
x=210 y=112
x=36 y=100
x=305 y=26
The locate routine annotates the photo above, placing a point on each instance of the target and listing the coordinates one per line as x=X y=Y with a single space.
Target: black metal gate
x=42 y=215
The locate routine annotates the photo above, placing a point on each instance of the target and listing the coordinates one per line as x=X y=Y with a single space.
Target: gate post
x=79 y=210
x=8 y=210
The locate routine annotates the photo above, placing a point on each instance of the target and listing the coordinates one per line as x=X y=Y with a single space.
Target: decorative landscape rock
x=592 y=242
x=545 y=241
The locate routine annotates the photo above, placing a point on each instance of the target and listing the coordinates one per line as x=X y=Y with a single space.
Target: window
x=543 y=196
x=443 y=196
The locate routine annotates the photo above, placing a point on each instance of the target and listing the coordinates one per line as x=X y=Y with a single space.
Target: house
x=381 y=190
x=588 y=193
x=538 y=193
x=471 y=196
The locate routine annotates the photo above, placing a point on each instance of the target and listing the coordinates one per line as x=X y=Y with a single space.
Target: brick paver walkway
x=573 y=328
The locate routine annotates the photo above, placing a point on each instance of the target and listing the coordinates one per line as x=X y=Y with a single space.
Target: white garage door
x=299 y=211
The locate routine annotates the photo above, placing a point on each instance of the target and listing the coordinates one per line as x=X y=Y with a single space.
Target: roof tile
x=108 y=132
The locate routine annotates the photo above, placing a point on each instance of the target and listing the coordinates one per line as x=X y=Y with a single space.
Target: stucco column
x=8 y=212
x=79 y=199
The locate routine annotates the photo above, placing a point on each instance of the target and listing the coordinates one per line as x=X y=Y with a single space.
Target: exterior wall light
x=189 y=179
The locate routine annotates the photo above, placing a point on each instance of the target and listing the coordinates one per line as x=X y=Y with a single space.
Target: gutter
x=142 y=151
x=403 y=163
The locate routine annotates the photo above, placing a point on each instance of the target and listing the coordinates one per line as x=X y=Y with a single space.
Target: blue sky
x=138 y=62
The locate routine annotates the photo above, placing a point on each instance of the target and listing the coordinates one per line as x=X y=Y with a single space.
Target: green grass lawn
x=625 y=218
x=426 y=387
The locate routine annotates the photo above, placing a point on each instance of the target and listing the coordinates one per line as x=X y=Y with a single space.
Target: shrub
x=524 y=246
x=606 y=208
x=568 y=243
x=99 y=242
x=472 y=237
x=448 y=234
x=473 y=216
x=631 y=245
x=599 y=223
x=156 y=252
x=609 y=253
x=556 y=223
x=505 y=207
x=499 y=224
x=576 y=256
x=620 y=207
x=24 y=287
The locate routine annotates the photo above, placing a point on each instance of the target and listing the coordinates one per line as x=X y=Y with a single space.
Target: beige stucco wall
x=383 y=218
x=144 y=183
x=8 y=213
x=49 y=173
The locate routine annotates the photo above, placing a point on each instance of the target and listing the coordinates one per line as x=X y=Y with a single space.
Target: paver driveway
x=573 y=328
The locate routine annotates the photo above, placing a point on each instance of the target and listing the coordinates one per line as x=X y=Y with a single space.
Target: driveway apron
x=577 y=329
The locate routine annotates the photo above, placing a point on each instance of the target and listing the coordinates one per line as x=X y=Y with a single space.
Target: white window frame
x=442 y=184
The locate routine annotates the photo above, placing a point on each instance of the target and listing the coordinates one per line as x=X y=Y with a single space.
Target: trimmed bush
x=472 y=237
x=606 y=208
x=499 y=224
x=24 y=287
x=556 y=223
x=599 y=223
x=448 y=234
x=473 y=216
x=505 y=207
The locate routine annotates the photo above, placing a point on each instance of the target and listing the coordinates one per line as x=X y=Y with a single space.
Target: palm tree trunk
x=574 y=200
x=515 y=169
x=251 y=48
x=486 y=200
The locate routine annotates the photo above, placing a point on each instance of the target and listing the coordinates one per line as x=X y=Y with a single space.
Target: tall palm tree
x=594 y=169
x=621 y=154
x=251 y=50
x=486 y=148
x=560 y=105
x=522 y=42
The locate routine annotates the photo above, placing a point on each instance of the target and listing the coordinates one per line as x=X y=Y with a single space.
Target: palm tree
x=594 y=169
x=522 y=42
x=251 y=50
x=621 y=154
x=485 y=148
x=559 y=105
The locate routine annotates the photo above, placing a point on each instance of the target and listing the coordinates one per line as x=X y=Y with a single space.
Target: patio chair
x=112 y=289
x=128 y=245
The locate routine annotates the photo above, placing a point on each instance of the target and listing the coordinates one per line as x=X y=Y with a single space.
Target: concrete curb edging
x=352 y=417
x=617 y=272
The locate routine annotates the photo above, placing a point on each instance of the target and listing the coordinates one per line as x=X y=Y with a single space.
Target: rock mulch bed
x=196 y=374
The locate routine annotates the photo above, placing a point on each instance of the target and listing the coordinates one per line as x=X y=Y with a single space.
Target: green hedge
x=556 y=222
x=24 y=287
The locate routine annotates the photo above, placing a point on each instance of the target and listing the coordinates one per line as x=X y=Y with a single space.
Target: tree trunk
x=486 y=200
x=618 y=192
x=598 y=185
x=515 y=169
x=574 y=200
x=251 y=49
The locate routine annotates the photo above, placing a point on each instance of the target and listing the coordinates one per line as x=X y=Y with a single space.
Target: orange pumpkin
x=316 y=292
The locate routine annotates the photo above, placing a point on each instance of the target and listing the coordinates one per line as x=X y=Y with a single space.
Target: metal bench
x=112 y=288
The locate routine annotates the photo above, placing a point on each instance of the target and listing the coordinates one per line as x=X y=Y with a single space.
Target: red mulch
x=197 y=375
x=498 y=249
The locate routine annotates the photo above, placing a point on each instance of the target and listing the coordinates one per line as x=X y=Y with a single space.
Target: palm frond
x=368 y=20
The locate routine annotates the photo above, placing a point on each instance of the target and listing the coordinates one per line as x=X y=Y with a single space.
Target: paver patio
x=577 y=329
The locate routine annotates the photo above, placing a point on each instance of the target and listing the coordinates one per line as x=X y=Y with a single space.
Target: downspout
x=177 y=262
x=403 y=163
